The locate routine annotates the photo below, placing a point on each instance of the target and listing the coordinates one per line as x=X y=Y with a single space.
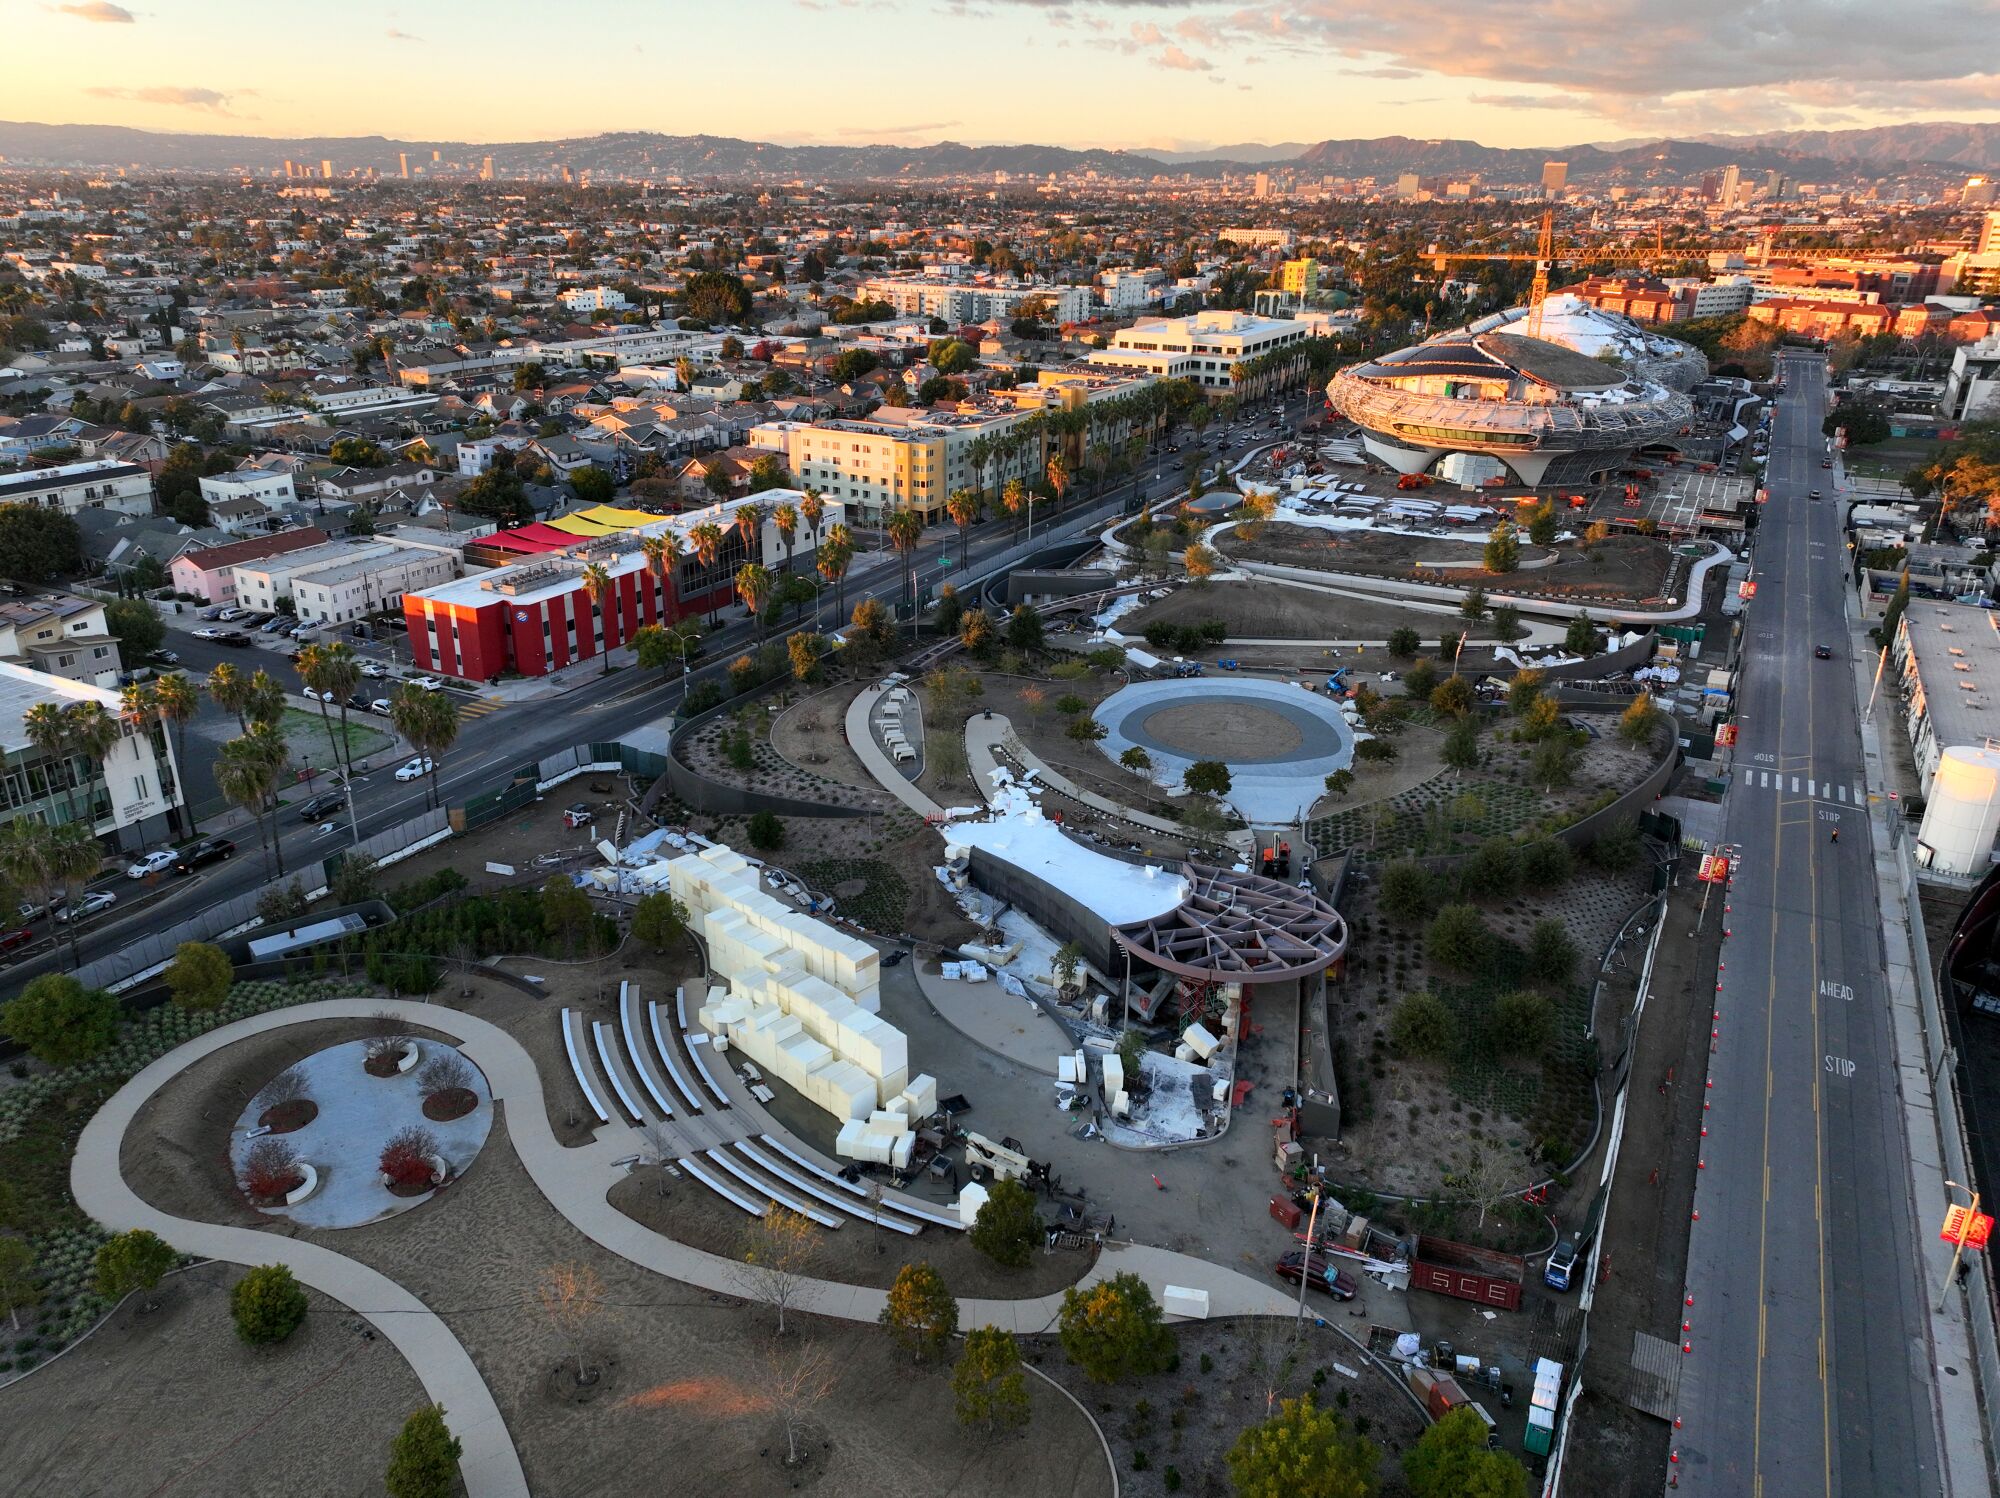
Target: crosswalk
x=1801 y=785
x=479 y=707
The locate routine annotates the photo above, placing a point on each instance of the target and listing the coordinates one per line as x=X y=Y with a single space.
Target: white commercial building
x=270 y=487
x=341 y=581
x=973 y=301
x=1972 y=389
x=594 y=299
x=1202 y=348
x=130 y=797
x=1259 y=239
x=1133 y=290
x=101 y=484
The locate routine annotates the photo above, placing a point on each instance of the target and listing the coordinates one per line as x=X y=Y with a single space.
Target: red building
x=535 y=616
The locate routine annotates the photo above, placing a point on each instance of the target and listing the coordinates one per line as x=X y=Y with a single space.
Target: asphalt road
x=596 y=709
x=1809 y=1368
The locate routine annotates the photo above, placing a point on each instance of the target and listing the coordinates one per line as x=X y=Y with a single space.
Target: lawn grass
x=307 y=738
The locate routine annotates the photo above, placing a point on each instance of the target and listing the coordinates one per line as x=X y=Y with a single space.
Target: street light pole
x=1958 y=1246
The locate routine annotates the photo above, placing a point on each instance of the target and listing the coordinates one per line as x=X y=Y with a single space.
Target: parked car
x=374 y=668
x=302 y=631
x=1826 y=462
x=357 y=703
x=213 y=611
x=210 y=633
x=1318 y=1272
x=33 y=910
x=426 y=683
x=89 y=905
x=199 y=855
x=165 y=657
x=312 y=695
x=320 y=807
x=380 y=705
x=231 y=614
x=20 y=936
x=235 y=639
x=156 y=862
x=282 y=622
x=416 y=769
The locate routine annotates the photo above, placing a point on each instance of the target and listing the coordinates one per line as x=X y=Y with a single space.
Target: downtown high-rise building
x=1555 y=176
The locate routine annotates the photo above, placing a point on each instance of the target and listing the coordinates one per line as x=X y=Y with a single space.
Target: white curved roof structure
x=1569 y=320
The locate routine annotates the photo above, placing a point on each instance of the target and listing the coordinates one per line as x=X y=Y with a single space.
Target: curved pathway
x=875 y=759
x=575 y=1183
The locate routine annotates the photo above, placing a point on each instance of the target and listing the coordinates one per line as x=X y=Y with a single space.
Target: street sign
x=1714 y=869
x=1746 y=589
x=1977 y=1227
x=1725 y=736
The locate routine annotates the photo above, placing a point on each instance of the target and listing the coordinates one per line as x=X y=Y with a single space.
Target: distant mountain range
x=1803 y=155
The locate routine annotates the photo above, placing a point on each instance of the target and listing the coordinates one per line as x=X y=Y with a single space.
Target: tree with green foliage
x=1420 y=680
x=1582 y=637
x=659 y=920
x=1404 y=642
x=267 y=1305
x=358 y=878
x=592 y=484
x=1452 y=1460
x=423 y=1459
x=1541 y=522
x=138 y=626
x=1422 y=1026
x=1339 y=782
x=1553 y=764
x=714 y=296
x=1507 y=622
x=59 y=1020
x=1473 y=605
x=920 y=1312
x=1459 y=938
x=20 y=1285
x=851 y=364
x=132 y=1261
x=1522 y=1022
x=1541 y=718
x=1461 y=744
x=1024 y=629
x=1551 y=953
x=1303 y=1452
x=567 y=914
x=199 y=975
x=987 y=1385
x=38 y=545
x=1409 y=892
x=1113 y=1330
x=1503 y=549
x=357 y=452
x=1008 y=1229
x=1207 y=777
x=1524 y=689
x=1546 y=863
x=767 y=832
x=1493 y=869
x=1375 y=750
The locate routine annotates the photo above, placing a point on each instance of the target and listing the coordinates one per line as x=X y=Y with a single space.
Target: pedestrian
x=1836 y=835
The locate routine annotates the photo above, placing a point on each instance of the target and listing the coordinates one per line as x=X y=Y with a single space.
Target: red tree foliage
x=406 y=1157
x=270 y=1169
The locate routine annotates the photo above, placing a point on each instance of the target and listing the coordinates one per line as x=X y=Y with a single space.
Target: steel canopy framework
x=1238 y=927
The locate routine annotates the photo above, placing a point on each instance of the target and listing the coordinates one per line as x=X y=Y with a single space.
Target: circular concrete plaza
x=1279 y=740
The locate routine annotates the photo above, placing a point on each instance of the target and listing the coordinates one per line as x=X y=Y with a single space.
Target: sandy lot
x=1626 y=566
x=1258 y=611
x=170 y=1400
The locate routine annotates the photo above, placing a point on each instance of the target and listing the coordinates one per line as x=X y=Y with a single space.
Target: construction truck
x=1005 y=1161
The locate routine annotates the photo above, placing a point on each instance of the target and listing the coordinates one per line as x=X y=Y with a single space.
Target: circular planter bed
x=287 y=1116
x=280 y=1194
x=453 y=1102
x=390 y=1063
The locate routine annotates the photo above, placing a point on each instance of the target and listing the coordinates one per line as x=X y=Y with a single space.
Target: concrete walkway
x=860 y=728
x=575 y=1183
x=1005 y=1024
x=986 y=732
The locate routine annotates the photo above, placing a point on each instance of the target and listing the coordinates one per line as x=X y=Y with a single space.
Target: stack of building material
x=883 y=1138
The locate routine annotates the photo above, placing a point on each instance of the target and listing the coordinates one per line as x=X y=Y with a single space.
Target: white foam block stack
x=884 y=1138
x=1197 y=1039
x=970 y=1199
x=1180 y=1300
x=920 y=1097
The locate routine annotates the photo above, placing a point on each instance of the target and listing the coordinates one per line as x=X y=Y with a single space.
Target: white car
x=416 y=769
x=374 y=668
x=425 y=683
x=381 y=705
x=311 y=696
x=210 y=634
x=156 y=862
x=88 y=906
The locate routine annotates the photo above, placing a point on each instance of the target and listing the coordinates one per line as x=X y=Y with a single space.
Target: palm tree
x=706 y=539
x=753 y=586
x=429 y=722
x=93 y=732
x=174 y=697
x=71 y=855
x=663 y=558
x=833 y=557
x=749 y=523
x=49 y=731
x=311 y=663
x=785 y=520
x=229 y=689
x=263 y=700
x=1014 y=500
x=963 y=507
x=1058 y=472
x=597 y=583
x=978 y=453
x=333 y=674
x=906 y=529
x=24 y=859
x=247 y=776
x=812 y=509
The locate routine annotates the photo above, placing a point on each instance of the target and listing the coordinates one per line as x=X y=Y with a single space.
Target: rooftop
x=21 y=689
x=1956 y=651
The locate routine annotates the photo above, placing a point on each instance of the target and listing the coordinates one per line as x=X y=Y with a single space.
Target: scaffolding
x=1638 y=415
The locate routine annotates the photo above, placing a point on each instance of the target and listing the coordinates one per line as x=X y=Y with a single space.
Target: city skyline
x=1515 y=75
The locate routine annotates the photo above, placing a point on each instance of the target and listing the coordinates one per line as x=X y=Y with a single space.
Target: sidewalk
x=1922 y=1080
x=987 y=1015
x=860 y=729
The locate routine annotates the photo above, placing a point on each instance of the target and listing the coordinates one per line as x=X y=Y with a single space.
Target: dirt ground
x=791 y=765
x=169 y=1400
x=1258 y=611
x=1628 y=567
x=857 y=1254
x=522 y=838
x=1185 y=1420
x=680 y=1370
x=812 y=736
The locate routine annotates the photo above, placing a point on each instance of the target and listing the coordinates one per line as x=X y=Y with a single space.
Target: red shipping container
x=1286 y=1212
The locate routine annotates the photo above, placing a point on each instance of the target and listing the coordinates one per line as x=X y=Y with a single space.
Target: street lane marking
x=1795 y=785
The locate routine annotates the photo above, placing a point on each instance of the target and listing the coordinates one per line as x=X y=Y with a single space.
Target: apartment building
x=130 y=801
x=209 y=572
x=62 y=635
x=895 y=458
x=1202 y=348
x=1259 y=239
x=344 y=580
x=272 y=488
x=1133 y=290
x=962 y=302
x=100 y=484
x=594 y=299
x=1972 y=389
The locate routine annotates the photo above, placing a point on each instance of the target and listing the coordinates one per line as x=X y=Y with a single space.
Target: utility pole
x=1306 y=1263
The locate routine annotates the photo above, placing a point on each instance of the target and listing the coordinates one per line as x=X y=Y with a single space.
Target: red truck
x=1476 y=1274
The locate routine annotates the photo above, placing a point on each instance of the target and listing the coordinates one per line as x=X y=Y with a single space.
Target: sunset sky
x=1129 y=73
